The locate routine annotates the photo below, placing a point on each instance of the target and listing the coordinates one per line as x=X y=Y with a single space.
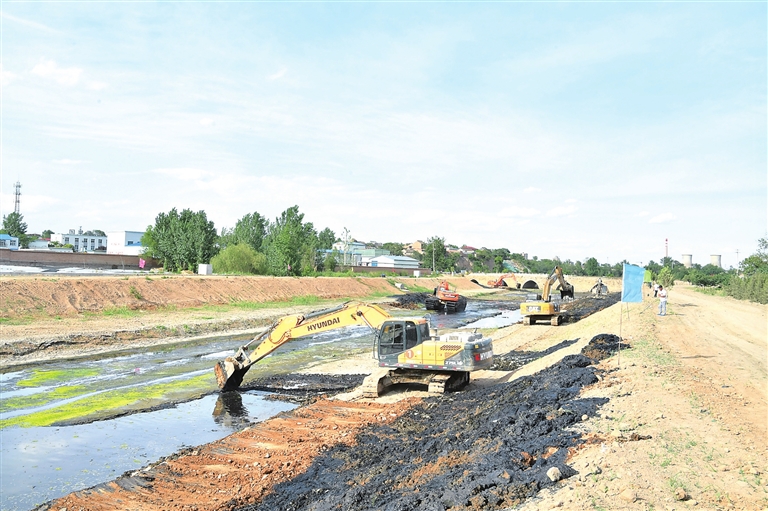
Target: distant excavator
x=405 y=348
x=501 y=281
x=444 y=299
x=541 y=307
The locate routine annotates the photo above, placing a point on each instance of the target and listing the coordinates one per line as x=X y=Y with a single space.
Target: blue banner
x=632 y=283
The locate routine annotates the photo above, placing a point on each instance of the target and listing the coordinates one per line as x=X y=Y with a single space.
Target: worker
x=655 y=289
x=662 y=301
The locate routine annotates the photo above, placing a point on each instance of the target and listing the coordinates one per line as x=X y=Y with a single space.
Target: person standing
x=662 y=301
x=655 y=289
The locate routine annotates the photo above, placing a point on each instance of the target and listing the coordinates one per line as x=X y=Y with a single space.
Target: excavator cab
x=396 y=337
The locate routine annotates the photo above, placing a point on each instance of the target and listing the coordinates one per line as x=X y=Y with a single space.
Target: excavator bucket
x=230 y=373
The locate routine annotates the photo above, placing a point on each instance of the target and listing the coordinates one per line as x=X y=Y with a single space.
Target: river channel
x=70 y=425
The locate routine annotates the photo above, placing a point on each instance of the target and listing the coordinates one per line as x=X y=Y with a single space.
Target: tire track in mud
x=488 y=448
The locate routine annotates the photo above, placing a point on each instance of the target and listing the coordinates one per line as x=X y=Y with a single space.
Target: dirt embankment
x=44 y=317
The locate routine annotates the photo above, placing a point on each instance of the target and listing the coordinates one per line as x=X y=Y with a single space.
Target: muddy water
x=70 y=425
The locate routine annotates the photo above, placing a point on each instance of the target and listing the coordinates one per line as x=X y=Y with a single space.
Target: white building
x=125 y=242
x=81 y=242
x=396 y=262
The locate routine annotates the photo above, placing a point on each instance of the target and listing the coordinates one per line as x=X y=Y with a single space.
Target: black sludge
x=486 y=448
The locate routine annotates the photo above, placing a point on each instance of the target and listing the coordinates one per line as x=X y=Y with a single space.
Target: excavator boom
x=230 y=372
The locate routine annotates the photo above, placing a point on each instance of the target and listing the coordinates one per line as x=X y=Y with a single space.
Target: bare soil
x=678 y=419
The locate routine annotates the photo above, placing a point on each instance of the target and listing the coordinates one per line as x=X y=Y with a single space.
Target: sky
x=614 y=130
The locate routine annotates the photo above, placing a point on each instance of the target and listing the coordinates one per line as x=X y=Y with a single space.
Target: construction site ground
x=676 y=419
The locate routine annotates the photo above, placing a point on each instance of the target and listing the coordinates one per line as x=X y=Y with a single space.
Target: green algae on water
x=108 y=404
x=40 y=378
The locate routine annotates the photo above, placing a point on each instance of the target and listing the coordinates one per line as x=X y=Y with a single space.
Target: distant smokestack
x=687 y=260
x=714 y=260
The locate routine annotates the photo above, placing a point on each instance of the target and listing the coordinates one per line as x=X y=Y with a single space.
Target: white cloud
x=206 y=121
x=65 y=76
x=664 y=218
x=561 y=211
x=186 y=174
x=517 y=212
x=278 y=75
x=66 y=161
x=96 y=85
x=27 y=23
x=6 y=77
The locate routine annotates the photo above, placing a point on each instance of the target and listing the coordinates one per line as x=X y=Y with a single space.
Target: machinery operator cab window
x=400 y=336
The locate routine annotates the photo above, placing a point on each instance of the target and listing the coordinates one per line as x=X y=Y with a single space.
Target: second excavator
x=445 y=299
x=541 y=307
x=404 y=347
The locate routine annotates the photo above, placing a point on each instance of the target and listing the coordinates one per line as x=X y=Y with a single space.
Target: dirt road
x=676 y=420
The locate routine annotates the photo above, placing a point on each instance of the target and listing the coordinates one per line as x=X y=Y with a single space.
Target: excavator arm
x=230 y=372
x=556 y=275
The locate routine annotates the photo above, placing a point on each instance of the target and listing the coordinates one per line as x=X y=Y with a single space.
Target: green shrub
x=753 y=288
x=240 y=259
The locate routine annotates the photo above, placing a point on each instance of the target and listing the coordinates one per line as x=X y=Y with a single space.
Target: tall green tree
x=14 y=225
x=325 y=239
x=436 y=253
x=251 y=230
x=181 y=240
x=395 y=249
x=757 y=262
x=291 y=244
x=592 y=267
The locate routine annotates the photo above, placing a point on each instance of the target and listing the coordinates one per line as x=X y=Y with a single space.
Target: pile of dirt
x=410 y=300
x=483 y=449
x=586 y=305
x=303 y=388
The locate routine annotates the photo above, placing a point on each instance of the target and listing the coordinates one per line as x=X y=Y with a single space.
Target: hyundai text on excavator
x=406 y=351
x=541 y=307
x=445 y=299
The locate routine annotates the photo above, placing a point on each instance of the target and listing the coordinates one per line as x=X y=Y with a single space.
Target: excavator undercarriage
x=380 y=380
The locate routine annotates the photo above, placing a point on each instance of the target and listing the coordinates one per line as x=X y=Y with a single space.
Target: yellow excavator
x=404 y=347
x=541 y=307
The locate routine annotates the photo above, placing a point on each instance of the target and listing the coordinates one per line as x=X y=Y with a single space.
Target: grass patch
x=108 y=404
x=43 y=377
x=136 y=294
x=119 y=311
x=711 y=291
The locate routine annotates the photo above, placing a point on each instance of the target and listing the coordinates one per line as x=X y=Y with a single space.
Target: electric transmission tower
x=17 y=204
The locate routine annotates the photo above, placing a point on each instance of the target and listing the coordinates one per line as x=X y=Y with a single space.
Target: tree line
x=291 y=246
x=286 y=246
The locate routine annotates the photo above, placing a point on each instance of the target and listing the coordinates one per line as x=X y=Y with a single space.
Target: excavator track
x=380 y=380
x=375 y=383
x=448 y=382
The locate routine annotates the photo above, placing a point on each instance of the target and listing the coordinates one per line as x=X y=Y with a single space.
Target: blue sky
x=573 y=130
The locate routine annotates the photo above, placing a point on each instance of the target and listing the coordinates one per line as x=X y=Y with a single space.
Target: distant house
x=395 y=262
x=9 y=242
x=416 y=246
x=125 y=242
x=80 y=241
x=39 y=245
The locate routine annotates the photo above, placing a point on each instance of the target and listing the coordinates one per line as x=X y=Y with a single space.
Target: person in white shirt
x=662 y=301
